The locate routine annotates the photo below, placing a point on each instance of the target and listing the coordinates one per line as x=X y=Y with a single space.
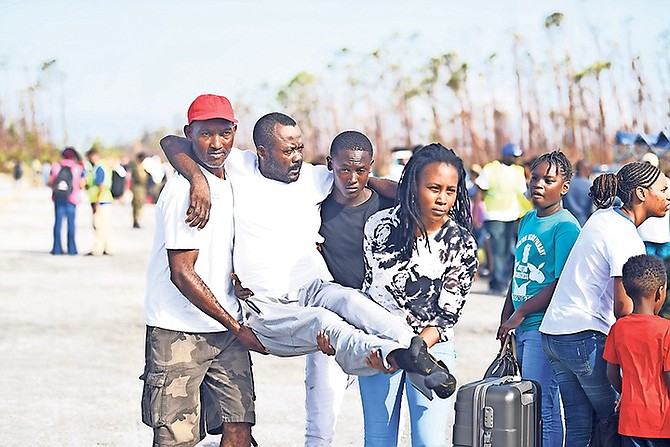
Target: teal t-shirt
x=543 y=245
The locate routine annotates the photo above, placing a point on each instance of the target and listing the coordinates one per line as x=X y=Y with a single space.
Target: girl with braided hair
x=420 y=264
x=590 y=296
x=545 y=237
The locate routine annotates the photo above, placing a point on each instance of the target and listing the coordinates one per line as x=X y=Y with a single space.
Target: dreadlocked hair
x=557 y=159
x=606 y=187
x=409 y=212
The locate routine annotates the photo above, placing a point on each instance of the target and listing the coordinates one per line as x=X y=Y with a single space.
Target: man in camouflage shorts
x=197 y=376
x=181 y=367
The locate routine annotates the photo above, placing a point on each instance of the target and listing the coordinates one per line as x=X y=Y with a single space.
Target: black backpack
x=118 y=182
x=62 y=186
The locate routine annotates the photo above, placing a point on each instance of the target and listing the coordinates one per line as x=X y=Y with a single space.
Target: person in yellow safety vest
x=502 y=186
x=98 y=188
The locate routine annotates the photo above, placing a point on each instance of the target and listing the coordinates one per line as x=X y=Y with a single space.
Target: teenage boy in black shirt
x=343 y=216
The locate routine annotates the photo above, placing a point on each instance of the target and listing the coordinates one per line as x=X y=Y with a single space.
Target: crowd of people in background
x=579 y=256
x=95 y=180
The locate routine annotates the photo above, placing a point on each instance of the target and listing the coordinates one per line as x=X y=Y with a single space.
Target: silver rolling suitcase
x=498 y=412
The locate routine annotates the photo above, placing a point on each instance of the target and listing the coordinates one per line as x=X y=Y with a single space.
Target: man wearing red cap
x=277 y=221
x=197 y=349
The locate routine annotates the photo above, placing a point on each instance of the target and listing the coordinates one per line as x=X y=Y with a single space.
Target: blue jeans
x=535 y=366
x=580 y=370
x=631 y=441
x=502 y=237
x=381 y=395
x=64 y=210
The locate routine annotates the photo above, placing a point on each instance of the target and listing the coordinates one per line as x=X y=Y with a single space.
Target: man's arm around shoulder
x=384 y=187
x=179 y=154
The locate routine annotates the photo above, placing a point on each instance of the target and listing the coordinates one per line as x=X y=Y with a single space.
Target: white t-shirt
x=584 y=296
x=165 y=306
x=277 y=226
x=655 y=229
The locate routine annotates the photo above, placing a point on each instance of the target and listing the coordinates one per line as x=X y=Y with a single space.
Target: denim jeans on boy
x=580 y=370
x=631 y=441
x=381 y=395
x=64 y=210
x=535 y=366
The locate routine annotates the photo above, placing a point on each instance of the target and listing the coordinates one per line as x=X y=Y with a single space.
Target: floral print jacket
x=429 y=288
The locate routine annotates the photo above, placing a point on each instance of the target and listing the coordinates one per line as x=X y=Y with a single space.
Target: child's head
x=644 y=280
x=549 y=181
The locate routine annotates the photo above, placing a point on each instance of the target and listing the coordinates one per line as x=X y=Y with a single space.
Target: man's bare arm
x=614 y=376
x=184 y=277
x=179 y=154
x=383 y=186
x=623 y=305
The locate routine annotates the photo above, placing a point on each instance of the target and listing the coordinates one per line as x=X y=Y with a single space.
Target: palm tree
x=301 y=97
x=601 y=128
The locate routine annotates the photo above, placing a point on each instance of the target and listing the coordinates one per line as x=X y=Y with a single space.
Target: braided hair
x=409 y=212
x=557 y=159
x=606 y=187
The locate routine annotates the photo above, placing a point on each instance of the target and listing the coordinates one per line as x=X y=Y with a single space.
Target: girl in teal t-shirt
x=545 y=237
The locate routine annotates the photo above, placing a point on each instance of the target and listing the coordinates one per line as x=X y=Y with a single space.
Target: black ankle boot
x=443 y=383
x=411 y=359
x=417 y=359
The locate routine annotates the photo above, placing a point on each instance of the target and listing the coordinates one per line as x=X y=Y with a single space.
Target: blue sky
x=124 y=66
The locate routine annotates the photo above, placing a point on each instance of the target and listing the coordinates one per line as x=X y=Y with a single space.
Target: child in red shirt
x=637 y=351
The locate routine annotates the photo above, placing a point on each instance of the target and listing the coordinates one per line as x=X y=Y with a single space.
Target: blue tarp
x=660 y=140
x=663 y=140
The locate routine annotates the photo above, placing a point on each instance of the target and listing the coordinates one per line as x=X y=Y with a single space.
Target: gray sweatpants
x=288 y=326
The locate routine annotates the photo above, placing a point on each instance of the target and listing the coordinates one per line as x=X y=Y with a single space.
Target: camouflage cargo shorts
x=193 y=383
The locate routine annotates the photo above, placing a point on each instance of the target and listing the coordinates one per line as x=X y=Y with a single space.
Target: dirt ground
x=72 y=338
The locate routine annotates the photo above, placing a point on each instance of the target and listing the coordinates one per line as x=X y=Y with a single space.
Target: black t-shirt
x=342 y=229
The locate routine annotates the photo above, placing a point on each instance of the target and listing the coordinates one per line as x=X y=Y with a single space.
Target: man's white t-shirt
x=584 y=296
x=277 y=226
x=165 y=306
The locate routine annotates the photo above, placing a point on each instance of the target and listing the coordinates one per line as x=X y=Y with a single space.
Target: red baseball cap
x=207 y=107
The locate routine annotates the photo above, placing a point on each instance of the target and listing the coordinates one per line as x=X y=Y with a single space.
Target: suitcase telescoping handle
x=487 y=415
x=526 y=389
